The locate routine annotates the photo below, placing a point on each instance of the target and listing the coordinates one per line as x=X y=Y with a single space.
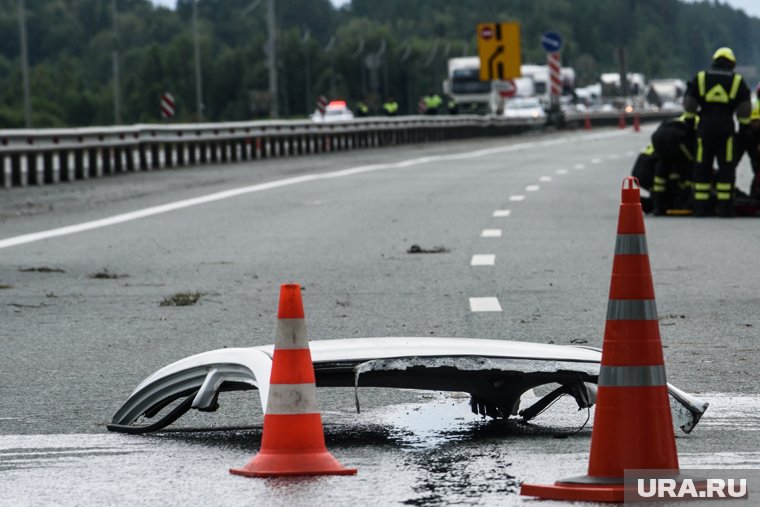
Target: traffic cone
x=633 y=428
x=621 y=121
x=292 y=442
x=636 y=123
x=587 y=122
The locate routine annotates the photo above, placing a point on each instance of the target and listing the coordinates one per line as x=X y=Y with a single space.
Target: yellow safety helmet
x=726 y=53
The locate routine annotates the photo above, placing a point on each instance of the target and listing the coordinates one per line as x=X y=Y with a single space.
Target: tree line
x=368 y=49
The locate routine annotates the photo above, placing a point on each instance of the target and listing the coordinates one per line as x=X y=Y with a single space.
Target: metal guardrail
x=49 y=156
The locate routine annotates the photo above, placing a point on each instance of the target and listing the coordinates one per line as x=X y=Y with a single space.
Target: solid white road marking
x=483 y=260
x=485 y=304
x=532 y=188
x=491 y=233
x=516 y=198
x=234 y=192
x=561 y=171
x=545 y=179
x=502 y=213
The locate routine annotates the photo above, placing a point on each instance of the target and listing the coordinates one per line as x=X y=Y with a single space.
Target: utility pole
x=24 y=64
x=198 y=84
x=272 y=61
x=115 y=59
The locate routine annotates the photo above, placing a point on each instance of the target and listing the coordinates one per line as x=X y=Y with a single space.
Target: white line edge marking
x=516 y=198
x=532 y=188
x=491 y=233
x=485 y=304
x=502 y=213
x=227 y=194
x=545 y=179
x=483 y=260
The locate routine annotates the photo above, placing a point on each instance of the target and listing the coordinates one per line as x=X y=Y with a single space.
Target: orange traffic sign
x=499 y=50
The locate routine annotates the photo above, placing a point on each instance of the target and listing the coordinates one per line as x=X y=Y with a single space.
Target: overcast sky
x=751 y=7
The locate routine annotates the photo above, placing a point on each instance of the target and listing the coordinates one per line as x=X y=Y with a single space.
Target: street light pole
x=198 y=84
x=24 y=64
x=115 y=59
x=272 y=61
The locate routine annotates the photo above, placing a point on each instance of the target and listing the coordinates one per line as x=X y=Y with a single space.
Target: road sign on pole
x=499 y=50
x=551 y=41
x=167 y=105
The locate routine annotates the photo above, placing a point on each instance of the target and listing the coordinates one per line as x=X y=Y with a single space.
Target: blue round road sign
x=551 y=41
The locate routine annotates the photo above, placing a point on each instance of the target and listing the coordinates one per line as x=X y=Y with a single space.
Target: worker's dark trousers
x=714 y=143
x=673 y=170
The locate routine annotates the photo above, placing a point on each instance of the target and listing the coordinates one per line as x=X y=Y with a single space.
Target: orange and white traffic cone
x=633 y=427
x=621 y=121
x=636 y=123
x=587 y=122
x=293 y=441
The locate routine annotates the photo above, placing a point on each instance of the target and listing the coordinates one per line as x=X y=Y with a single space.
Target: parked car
x=528 y=108
x=336 y=110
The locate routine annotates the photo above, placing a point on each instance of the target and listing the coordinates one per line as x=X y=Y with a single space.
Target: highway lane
x=80 y=344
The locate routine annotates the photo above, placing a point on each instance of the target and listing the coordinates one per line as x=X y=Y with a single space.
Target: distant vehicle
x=463 y=84
x=336 y=110
x=665 y=93
x=528 y=108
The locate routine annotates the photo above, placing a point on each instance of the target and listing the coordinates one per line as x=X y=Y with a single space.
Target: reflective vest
x=433 y=101
x=390 y=108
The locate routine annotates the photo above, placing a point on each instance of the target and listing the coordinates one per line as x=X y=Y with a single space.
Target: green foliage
x=71 y=44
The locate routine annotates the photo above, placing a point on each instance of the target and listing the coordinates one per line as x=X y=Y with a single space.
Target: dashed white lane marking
x=545 y=179
x=516 y=198
x=596 y=160
x=561 y=171
x=499 y=213
x=532 y=188
x=579 y=167
x=234 y=192
x=483 y=260
x=485 y=304
x=491 y=233
x=630 y=153
x=614 y=156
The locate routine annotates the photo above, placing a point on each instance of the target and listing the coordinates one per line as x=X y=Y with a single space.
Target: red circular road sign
x=507 y=88
x=486 y=32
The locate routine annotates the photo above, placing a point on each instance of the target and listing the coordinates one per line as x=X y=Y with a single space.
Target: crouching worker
x=674 y=142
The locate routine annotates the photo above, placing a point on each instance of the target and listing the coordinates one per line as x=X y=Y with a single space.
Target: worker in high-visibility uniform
x=432 y=102
x=390 y=107
x=750 y=143
x=674 y=142
x=362 y=109
x=716 y=94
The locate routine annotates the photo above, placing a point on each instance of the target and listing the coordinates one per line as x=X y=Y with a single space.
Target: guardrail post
x=38 y=168
x=23 y=170
x=7 y=170
x=54 y=175
x=69 y=166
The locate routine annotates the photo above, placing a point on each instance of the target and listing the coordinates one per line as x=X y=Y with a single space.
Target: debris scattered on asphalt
x=417 y=249
x=107 y=275
x=3 y=286
x=51 y=295
x=578 y=341
x=43 y=269
x=182 y=299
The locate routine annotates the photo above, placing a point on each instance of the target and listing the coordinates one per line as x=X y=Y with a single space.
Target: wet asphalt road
x=78 y=341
